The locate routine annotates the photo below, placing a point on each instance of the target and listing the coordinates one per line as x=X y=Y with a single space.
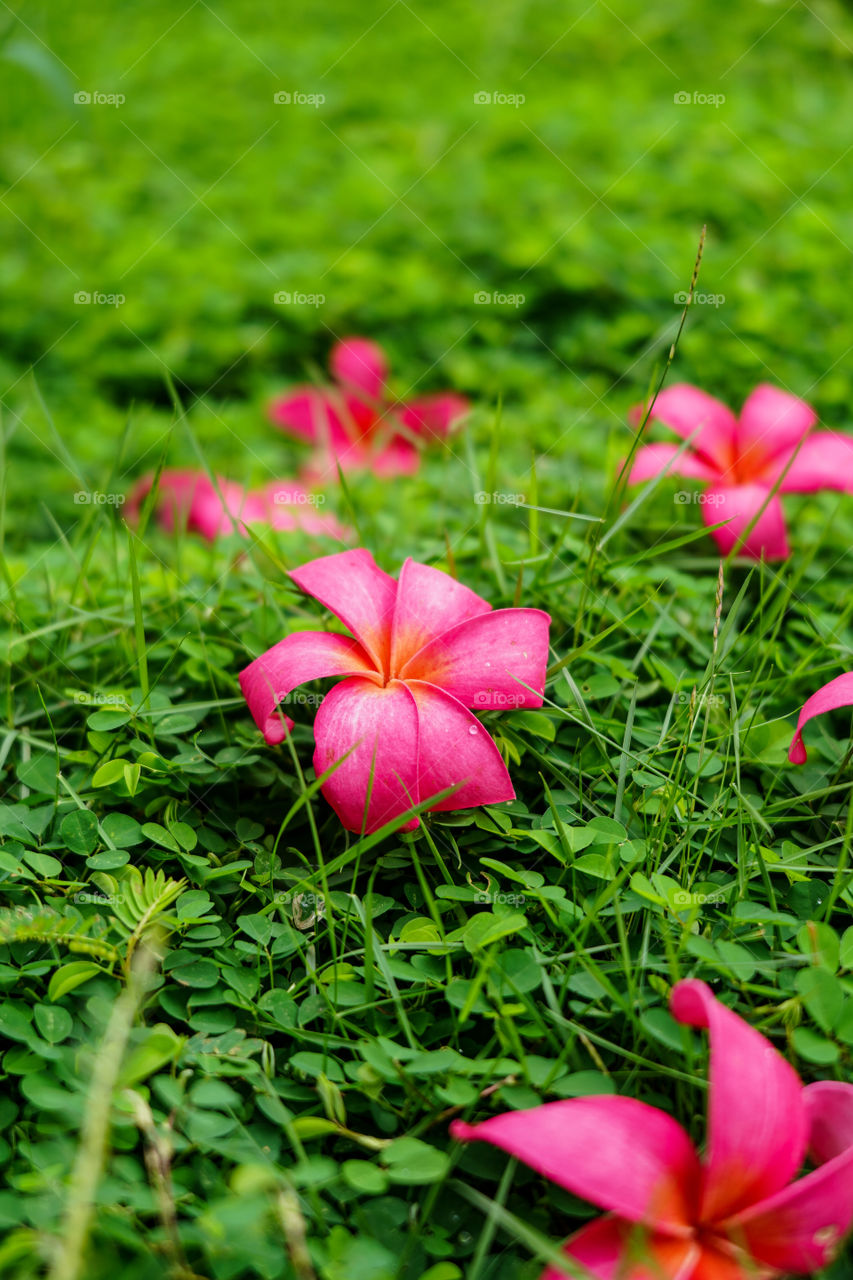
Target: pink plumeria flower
x=739 y=1213
x=423 y=649
x=356 y=423
x=741 y=459
x=190 y=498
x=838 y=693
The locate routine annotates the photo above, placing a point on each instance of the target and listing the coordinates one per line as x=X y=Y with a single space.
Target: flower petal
x=739 y=505
x=757 y=1122
x=312 y=415
x=612 y=1249
x=651 y=459
x=434 y=416
x=358 y=592
x=454 y=747
x=429 y=602
x=684 y=408
x=620 y=1154
x=398 y=457
x=360 y=365
x=801 y=1228
x=481 y=662
x=378 y=780
x=837 y=693
x=285 y=505
x=824 y=461
x=298 y=658
x=772 y=422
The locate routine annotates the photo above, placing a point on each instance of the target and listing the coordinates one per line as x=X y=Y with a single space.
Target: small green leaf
x=79 y=829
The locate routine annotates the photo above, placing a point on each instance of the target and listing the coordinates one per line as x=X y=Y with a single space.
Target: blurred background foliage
x=398 y=199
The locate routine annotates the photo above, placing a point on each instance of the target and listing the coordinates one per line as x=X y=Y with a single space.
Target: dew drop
x=472 y=728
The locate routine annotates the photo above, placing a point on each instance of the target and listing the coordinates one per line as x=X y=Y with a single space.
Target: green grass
x=283 y=1077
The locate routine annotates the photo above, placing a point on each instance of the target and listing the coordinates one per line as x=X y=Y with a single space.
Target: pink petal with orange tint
x=757 y=1124
x=653 y=459
x=739 y=505
x=837 y=693
x=357 y=591
x=686 y=410
x=801 y=1228
x=298 y=658
x=620 y=1154
x=429 y=602
x=360 y=365
x=378 y=726
x=772 y=421
x=435 y=416
x=453 y=748
x=486 y=662
x=824 y=461
x=612 y=1249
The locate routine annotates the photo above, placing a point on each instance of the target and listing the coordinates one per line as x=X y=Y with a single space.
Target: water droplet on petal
x=472 y=728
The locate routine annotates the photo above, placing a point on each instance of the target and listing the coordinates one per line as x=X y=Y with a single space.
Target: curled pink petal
x=298 y=658
x=434 y=416
x=453 y=748
x=684 y=409
x=772 y=422
x=605 y=1246
x=378 y=726
x=801 y=1228
x=361 y=366
x=620 y=1154
x=757 y=1124
x=837 y=693
x=739 y=505
x=824 y=461
x=358 y=592
x=429 y=602
x=653 y=459
x=487 y=661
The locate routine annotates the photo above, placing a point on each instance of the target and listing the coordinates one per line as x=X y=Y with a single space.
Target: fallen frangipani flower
x=190 y=498
x=423 y=650
x=355 y=422
x=738 y=1214
x=742 y=459
x=838 y=693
